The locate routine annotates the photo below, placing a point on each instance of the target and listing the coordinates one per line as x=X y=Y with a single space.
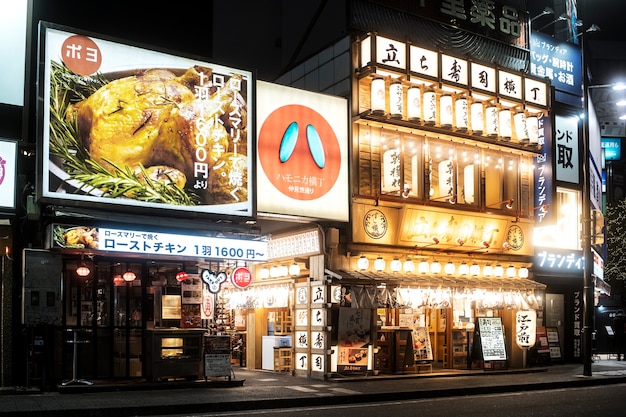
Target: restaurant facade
x=382 y=224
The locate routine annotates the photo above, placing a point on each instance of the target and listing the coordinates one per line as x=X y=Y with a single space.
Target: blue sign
x=612 y=149
x=559 y=61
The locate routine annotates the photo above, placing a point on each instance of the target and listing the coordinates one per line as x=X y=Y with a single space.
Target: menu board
x=491 y=334
x=422 y=349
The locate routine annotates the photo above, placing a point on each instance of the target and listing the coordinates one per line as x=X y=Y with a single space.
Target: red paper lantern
x=181 y=276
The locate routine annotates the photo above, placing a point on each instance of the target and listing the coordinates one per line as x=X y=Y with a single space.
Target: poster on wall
x=191 y=290
x=353 y=339
x=129 y=126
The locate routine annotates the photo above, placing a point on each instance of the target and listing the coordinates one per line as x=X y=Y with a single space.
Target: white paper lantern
x=430 y=107
x=491 y=120
x=505 y=123
x=521 y=128
x=461 y=113
x=476 y=116
x=378 y=96
x=445 y=110
x=379 y=264
x=409 y=266
x=414 y=103
x=532 y=127
x=396 y=100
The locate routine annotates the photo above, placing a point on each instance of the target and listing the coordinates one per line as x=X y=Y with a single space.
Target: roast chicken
x=163 y=125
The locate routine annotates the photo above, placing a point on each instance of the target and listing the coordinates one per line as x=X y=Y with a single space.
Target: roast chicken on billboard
x=156 y=135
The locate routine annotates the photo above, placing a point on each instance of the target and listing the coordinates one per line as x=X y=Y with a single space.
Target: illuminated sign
x=8 y=169
x=297 y=244
x=302 y=153
x=135 y=127
x=241 y=277
x=157 y=243
x=389 y=57
x=556 y=60
x=612 y=148
x=568 y=157
x=554 y=261
x=526 y=328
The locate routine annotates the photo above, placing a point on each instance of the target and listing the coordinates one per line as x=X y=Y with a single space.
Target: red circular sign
x=81 y=55
x=241 y=277
x=299 y=152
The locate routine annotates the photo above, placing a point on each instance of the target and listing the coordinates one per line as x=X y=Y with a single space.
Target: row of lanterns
x=484 y=118
x=279 y=271
x=424 y=267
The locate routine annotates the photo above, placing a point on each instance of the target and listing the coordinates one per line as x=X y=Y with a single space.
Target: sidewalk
x=256 y=389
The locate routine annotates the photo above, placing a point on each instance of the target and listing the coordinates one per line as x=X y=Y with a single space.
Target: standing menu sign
x=217 y=356
x=491 y=335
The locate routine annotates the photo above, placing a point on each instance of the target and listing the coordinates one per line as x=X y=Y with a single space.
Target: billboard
x=302 y=153
x=133 y=127
x=8 y=171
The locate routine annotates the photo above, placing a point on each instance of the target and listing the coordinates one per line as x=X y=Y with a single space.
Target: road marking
x=344 y=391
x=301 y=389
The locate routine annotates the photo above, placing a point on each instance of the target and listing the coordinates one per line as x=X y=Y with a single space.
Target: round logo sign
x=81 y=55
x=241 y=277
x=299 y=152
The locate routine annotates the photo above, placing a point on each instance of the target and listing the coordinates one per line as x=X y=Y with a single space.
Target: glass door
x=127 y=320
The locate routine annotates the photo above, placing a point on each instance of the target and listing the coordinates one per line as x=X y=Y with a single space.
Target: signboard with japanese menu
x=491 y=334
x=129 y=126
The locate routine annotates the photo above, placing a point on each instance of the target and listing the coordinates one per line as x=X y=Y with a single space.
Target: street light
x=588 y=284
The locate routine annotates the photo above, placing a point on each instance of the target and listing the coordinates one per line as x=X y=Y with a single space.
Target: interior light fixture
x=435 y=267
x=449 y=268
x=474 y=269
x=129 y=276
x=463 y=269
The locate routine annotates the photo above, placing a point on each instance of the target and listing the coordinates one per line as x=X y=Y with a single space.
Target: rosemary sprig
x=67 y=88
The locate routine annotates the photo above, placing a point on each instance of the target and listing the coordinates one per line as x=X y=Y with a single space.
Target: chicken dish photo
x=158 y=135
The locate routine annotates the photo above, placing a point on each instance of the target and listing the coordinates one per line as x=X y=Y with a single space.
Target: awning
x=429 y=280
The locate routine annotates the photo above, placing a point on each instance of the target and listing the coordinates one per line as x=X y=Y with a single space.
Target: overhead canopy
x=430 y=280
